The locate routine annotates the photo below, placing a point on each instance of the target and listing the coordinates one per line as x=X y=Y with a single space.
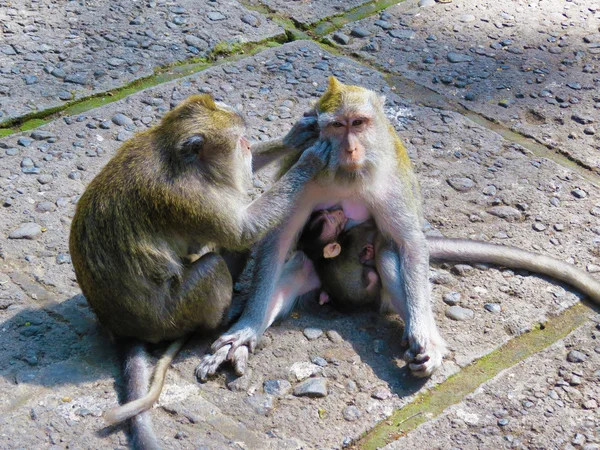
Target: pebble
x=215 y=16
x=76 y=78
x=29 y=230
x=459 y=313
x=45 y=178
x=63 y=258
x=579 y=193
x=312 y=333
x=194 y=41
x=381 y=394
x=383 y=24
x=313 y=387
x=360 y=32
x=537 y=226
x=319 y=361
x=351 y=413
x=494 y=308
x=263 y=404
x=507 y=213
x=341 y=38
x=461 y=184
x=45 y=207
x=302 y=370
x=590 y=404
x=575 y=356
x=402 y=34
x=426 y=3
x=24 y=142
x=451 y=298
x=462 y=270
x=454 y=57
x=466 y=18
x=277 y=388
x=251 y=20
x=121 y=120
x=41 y=135
x=334 y=336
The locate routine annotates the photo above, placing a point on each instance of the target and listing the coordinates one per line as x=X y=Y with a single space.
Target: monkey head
x=352 y=119
x=201 y=134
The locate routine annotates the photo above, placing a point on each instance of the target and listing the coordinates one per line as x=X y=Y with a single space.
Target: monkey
x=325 y=245
x=369 y=174
x=152 y=233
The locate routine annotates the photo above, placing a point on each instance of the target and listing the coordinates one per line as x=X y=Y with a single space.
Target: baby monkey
x=343 y=255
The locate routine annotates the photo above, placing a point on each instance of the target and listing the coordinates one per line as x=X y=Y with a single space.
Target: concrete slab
x=548 y=401
x=364 y=372
x=533 y=66
x=52 y=53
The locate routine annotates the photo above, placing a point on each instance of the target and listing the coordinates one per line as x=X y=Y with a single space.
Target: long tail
x=464 y=250
x=139 y=397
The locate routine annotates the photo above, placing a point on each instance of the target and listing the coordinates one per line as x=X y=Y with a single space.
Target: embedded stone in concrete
x=307 y=13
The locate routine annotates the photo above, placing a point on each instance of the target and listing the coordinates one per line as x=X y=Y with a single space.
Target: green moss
x=432 y=403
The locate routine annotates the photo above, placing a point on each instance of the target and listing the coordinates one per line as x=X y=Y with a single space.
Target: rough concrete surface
x=54 y=52
x=58 y=370
x=307 y=12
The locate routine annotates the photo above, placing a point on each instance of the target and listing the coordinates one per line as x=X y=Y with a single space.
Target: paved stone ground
x=58 y=370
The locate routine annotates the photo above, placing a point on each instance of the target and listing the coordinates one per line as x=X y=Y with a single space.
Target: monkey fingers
x=424 y=355
x=236 y=338
x=210 y=363
x=240 y=360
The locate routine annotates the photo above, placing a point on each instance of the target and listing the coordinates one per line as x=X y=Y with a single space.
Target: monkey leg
x=201 y=299
x=297 y=278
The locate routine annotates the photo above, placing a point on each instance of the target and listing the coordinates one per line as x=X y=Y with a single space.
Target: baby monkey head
x=202 y=133
x=352 y=119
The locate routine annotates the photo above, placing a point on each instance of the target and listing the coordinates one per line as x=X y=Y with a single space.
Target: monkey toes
x=233 y=347
x=425 y=355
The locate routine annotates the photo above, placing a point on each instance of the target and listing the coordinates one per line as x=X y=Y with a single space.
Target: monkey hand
x=426 y=350
x=303 y=134
x=317 y=157
x=234 y=346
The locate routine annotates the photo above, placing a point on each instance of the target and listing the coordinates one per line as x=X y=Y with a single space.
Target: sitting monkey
x=178 y=189
x=370 y=168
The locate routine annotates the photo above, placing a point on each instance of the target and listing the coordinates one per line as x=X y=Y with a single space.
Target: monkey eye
x=357 y=122
x=337 y=124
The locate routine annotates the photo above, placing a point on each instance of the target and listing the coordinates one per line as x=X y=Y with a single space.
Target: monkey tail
x=464 y=250
x=139 y=397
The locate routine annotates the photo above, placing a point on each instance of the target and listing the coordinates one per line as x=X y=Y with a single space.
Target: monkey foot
x=425 y=355
x=233 y=347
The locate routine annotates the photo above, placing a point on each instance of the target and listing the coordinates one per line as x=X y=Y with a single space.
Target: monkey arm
x=271 y=208
x=264 y=153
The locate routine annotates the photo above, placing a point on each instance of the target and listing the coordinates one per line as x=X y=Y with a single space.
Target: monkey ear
x=331 y=250
x=206 y=100
x=334 y=85
x=193 y=144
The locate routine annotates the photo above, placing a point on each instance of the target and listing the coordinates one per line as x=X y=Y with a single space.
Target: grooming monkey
x=150 y=233
x=369 y=175
x=340 y=254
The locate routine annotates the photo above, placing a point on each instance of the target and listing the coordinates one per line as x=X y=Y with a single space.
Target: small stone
x=507 y=213
x=381 y=394
x=505 y=102
x=121 y=120
x=302 y=370
x=75 y=175
x=360 y=32
x=319 y=361
x=312 y=333
x=579 y=193
x=494 y=308
x=29 y=230
x=263 y=404
x=537 y=226
x=590 y=404
x=462 y=270
x=575 y=356
x=341 y=38
x=215 y=16
x=383 y=24
x=461 y=184
x=454 y=57
x=426 y=3
x=41 y=135
x=278 y=388
x=251 y=20
x=196 y=42
x=451 y=298
x=590 y=131
x=578 y=440
x=313 y=387
x=459 y=313
x=63 y=258
x=45 y=207
x=574 y=86
x=76 y=78
x=402 y=34
x=45 y=178
x=334 y=336
x=466 y=18
x=351 y=413
x=24 y=142
x=503 y=422
x=583 y=120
